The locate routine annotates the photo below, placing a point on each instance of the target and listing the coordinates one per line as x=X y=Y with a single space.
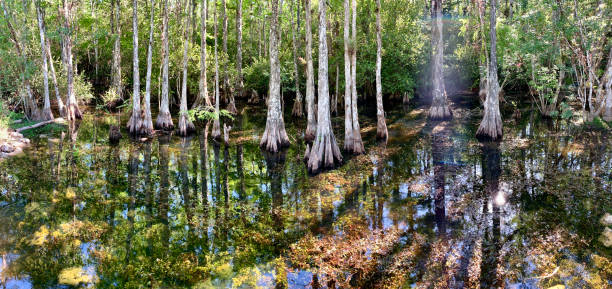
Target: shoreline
x=12 y=144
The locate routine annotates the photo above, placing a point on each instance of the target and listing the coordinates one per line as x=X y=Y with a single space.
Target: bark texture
x=116 y=81
x=274 y=137
x=135 y=122
x=352 y=132
x=46 y=113
x=324 y=153
x=185 y=125
x=239 y=81
x=216 y=129
x=147 y=120
x=60 y=103
x=439 y=107
x=298 y=110
x=607 y=114
x=72 y=107
x=491 y=124
x=203 y=98
x=310 y=94
x=224 y=43
x=164 y=119
x=381 y=125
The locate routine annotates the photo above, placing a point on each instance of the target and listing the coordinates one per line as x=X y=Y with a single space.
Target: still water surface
x=434 y=208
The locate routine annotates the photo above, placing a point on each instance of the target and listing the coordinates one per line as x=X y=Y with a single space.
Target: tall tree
x=72 y=107
x=297 y=110
x=216 y=130
x=135 y=122
x=60 y=103
x=324 y=152
x=30 y=107
x=46 y=112
x=439 y=107
x=147 y=121
x=352 y=132
x=116 y=84
x=203 y=84
x=185 y=126
x=164 y=119
x=239 y=81
x=274 y=137
x=607 y=114
x=491 y=124
x=310 y=94
x=381 y=125
x=228 y=96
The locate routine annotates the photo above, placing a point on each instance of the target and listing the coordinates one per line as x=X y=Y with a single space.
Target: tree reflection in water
x=432 y=208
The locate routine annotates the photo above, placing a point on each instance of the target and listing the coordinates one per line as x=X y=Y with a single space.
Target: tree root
x=381 y=129
x=73 y=112
x=135 y=122
x=442 y=112
x=216 y=130
x=274 y=137
x=164 y=121
x=324 y=153
x=298 y=108
x=186 y=127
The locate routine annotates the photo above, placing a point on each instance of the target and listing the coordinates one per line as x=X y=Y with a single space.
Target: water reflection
x=431 y=208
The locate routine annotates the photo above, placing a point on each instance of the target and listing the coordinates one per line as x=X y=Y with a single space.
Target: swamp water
x=434 y=208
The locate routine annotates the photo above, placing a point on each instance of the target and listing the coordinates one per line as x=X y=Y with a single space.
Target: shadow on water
x=432 y=208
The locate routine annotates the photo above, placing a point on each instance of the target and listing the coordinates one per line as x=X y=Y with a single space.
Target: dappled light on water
x=432 y=208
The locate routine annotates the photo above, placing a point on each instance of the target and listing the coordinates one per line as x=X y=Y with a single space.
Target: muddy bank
x=12 y=143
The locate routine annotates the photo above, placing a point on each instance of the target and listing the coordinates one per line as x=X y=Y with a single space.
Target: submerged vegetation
x=305 y=144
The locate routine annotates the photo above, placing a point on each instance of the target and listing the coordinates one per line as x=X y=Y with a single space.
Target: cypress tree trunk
x=228 y=94
x=239 y=83
x=117 y=84
x=46 y=112
x=95 y=41
x=135 y=122
x=147 y=121
x=310 y=94
x=216 y=130
x=348 y=120
x=352 y=132
x=357 y=142
x=274 y=137
x=381 y=126
x=491 y=125
x=297 y=110
x=164 y=119
x=607 y=114
x=324 y=152
x=72 y=107
x=60 y=102
x=439 y=107
x=225 y=86
x=203 y=84
x=185 y=126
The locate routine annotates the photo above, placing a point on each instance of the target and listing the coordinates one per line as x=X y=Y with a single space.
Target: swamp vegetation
x=305 y=144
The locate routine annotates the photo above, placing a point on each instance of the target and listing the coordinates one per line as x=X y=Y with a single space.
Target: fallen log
x=57 y=120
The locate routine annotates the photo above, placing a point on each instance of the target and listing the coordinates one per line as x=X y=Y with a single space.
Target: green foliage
x=257 y=76
x=110 y=97
x=205 y=114
x=4 y=120
x=599 y=124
